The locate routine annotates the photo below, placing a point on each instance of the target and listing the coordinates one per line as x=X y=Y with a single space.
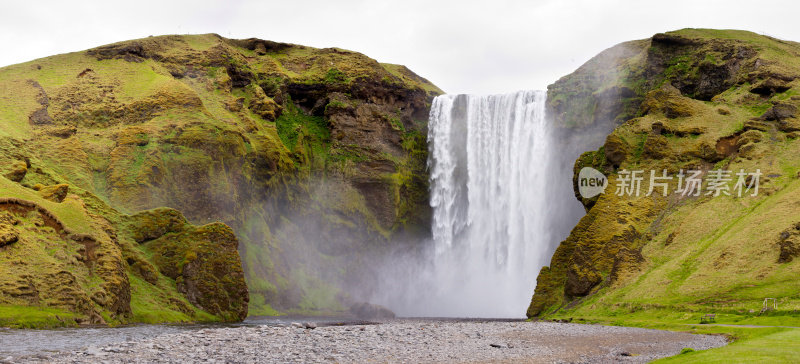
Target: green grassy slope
x=693 y=99
x=266 y=137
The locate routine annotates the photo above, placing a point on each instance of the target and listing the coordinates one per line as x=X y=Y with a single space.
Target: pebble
x=397 y=341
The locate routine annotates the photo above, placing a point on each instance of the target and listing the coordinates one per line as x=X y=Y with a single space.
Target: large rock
x=206 y=267
x=669 y=101
x=780 y=112
x=17 y=172
x=55 y=193
x=616 y=150
x=789 y=242
x=8 y=234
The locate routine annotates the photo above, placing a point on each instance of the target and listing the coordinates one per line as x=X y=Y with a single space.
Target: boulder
x=669 y=101
x=18 y=171
x=205 y=264
x=770 y=86
x=748 y=151
x=789 y=125
x=750 y=136
x=55 y=193
x=756 y=125
x=8 y=234
x=656 y=147
x=789 y=242
x=616 y=150
x=153 y=224
x=780 y=112
x=581 y=280
x=264 y=106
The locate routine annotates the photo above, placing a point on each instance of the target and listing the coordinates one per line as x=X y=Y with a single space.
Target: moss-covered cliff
x=692 y=99
x=311 y=156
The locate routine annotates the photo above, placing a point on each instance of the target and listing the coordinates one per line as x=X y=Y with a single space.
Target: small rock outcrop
x=8 y=233
x=55 y=193
x=205 y=264
x=789 y=242
x=17 y=172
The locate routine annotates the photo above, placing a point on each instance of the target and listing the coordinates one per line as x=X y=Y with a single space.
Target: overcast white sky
x=489 y=46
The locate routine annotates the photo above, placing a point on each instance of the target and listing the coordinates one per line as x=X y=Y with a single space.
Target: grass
x=150 y=304
x=700 y=255
x=33 y=317
x=70 y=212
x=405 y=75
x=294 y=124
x=149 y=135
x=259 y=306
x=752 y=346
x=748 y=344
x=771 y=48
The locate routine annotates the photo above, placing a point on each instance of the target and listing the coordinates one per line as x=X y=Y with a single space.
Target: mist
x=492 y=172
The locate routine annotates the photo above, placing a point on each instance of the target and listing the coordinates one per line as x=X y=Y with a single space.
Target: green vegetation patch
x=35 y=317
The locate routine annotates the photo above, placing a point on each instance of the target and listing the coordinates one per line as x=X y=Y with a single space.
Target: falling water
x=498 y=193
x=489 y=165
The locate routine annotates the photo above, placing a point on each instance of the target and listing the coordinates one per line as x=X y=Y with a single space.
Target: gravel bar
x=398 y=341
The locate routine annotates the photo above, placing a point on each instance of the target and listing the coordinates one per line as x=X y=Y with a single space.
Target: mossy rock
x=55 y=193
x=153 y=224
x=17 y=172
x=205 y=264
x=616 y=150
x=8 y=234
x=669 y=101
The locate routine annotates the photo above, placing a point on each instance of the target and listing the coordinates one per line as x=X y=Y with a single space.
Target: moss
x=153 y=224
x=406 y=76
x=205 y=265
x=259 y=307
x=295 y=123
x=677 y=254
x=335 y=76
x=196 y=121
x=28 y=317
x=153 y=306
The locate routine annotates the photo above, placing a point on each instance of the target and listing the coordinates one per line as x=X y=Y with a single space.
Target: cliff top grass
x=629 y=70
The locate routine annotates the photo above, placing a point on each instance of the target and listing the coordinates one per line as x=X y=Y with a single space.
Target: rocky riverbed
x=396 y=341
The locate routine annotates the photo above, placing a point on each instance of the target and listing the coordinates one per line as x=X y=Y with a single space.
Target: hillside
x=310 y=157
x=692 y=99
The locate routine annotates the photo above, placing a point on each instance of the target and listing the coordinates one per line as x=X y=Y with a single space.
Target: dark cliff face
x=314 y=158
x=687 y=100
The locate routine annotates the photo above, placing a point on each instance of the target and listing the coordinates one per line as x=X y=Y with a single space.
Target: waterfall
x=489 y=173
x=501 y=200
